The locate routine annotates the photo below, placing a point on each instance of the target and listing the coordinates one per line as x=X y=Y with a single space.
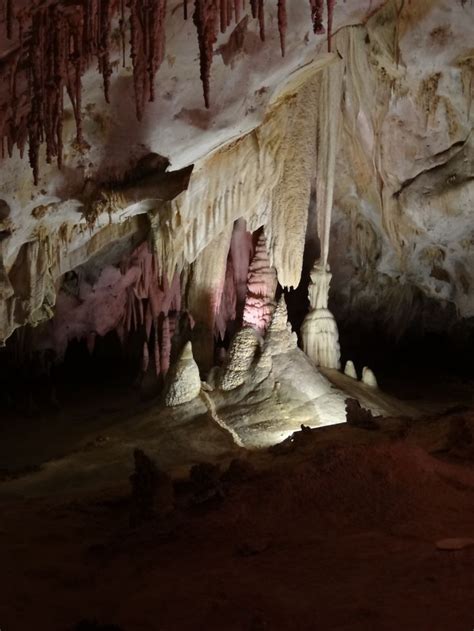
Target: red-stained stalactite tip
x=122 y=29
x=147 y=30
x=282 y=25
x=317 y=9
x=261 y=18
x=330 y=4
x=237 y=10
x=58 y=39
x=223 y=15
x=205 y=18
x=103 y=53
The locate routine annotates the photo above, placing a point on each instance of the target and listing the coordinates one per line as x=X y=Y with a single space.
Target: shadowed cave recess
x=237 y=314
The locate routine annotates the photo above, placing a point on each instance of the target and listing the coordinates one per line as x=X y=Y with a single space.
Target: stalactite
x=223 y=15
x=58 y=40
x=330 y=4
x=205 y=19
x=145 y=357
x=103 y=54
x=9 y=18
x=165 y=345
x=261 y=18
x=317 y=16
x=147 y=27
x=237 y=10
x=156 y=351
x=282 y=24
x=230 y=10
x=122 y=30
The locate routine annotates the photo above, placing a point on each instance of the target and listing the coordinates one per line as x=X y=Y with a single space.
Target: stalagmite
x=185 y=384
x=369 y=378
x=319 y=330
x=280 y=337
x=349 y=369
x=242 y=353
x=261 y=287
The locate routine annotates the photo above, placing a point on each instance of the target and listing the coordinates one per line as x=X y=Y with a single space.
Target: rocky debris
x=454 y=544
x=206 y=484
x=357 y=416
x=239 y=470
x=298 y=441
x=152 y=490
x=460 y=439
x=185 y=382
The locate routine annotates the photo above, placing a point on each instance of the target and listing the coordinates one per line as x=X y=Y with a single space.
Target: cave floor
x=336 y=529
x=89 y=440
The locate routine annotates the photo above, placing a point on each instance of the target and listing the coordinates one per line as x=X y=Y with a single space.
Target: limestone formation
x=242 y=353
x=319 y=331
x=280 y=337
x=261 y=286
x=185 y=381
x=349 y=369
x=369 y=378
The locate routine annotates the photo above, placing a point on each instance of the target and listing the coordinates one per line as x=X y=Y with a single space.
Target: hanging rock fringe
x=58 y=40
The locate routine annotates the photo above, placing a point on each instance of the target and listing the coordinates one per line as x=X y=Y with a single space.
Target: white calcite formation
x=280 y=337
x=369 y=378
x=242 y=352
x=185 y=381
x=349 y=369
x=261 y=287
x=319 y=331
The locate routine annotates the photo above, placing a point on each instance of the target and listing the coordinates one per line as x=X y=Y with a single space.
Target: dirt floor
x=339 y=528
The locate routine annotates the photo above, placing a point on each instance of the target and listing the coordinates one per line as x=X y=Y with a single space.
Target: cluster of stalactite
x=57 y=41
x=133 y=299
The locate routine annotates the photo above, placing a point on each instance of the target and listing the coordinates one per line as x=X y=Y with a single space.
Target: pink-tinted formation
x=58 y=40
x=132 y=298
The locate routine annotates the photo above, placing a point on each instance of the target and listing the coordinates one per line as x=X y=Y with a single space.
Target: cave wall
x=402 y=224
